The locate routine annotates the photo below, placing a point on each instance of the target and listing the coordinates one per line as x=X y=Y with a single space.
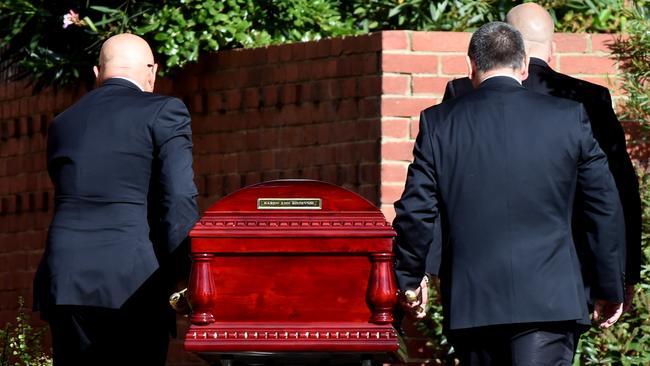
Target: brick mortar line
x=409 y=94
x=601 y=54
x=388 y=118
x=284 y=149
x=429 y=94
x=399 y=163
x=393 y=184
x=216 y=70
x=401 y=96
x=396 y=73
x=386 y=139
x=424 y=53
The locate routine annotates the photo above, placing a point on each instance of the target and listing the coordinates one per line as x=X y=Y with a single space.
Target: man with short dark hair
x=496 y=172
x=536 y=27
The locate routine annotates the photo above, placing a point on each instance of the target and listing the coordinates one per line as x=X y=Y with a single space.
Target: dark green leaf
x=104 y=9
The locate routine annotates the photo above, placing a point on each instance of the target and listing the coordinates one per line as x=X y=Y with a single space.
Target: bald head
x=536 y=27
x=129 y=56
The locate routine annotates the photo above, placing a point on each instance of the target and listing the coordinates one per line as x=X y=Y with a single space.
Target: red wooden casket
x=292 y=266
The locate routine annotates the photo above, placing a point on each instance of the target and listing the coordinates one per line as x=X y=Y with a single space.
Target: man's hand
x=415 y=302
x=629 y=297
x=606 y=313
x=178 y=302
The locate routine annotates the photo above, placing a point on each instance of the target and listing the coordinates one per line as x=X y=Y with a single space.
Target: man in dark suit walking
x=120 y=160
x=499 y=169
x=536 y=27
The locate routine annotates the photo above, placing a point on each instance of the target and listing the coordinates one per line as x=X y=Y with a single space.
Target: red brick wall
x=307 y=110
x=343 y=110
x=26 y=195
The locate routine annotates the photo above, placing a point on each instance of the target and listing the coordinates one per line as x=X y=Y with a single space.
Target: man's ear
x=524 y=68
x=471 y=72
x=98 y=81
x=151 y=80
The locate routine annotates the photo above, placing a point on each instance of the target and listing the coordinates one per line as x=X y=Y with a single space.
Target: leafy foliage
x=425 y=15
x=182 y=32
x=628 y=341
x=456 y=15
x=282 y=21
x=20 y=344
x=431 y=327
x=34 y=45
x=587 y=16
x=633 y=54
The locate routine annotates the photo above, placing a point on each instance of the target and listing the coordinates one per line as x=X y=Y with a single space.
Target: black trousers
x=539 y=344
x=83 y=335
x=136 y=334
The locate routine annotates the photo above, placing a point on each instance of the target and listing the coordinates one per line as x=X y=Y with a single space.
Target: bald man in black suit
x=120 y=160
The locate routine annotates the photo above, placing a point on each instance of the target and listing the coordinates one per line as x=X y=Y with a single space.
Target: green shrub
x=628 y=341
x=181 y=32
x=20 y=343
x=35 y=46
x=575 y=16
x=633 y=54
x=431 y=327
x=424 y=15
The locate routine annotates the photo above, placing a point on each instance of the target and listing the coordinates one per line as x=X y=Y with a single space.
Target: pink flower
x=71 y=18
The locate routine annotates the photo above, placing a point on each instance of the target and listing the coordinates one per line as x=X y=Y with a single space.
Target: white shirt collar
x=130 y=80
x=508 y=75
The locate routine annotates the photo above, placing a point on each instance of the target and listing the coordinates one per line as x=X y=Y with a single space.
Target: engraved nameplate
x=289 y=204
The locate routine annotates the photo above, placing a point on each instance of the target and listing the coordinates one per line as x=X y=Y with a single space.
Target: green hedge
x=35 y=46
x=20 y=343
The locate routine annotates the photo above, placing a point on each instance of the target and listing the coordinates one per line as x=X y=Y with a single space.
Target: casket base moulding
x=330 y=337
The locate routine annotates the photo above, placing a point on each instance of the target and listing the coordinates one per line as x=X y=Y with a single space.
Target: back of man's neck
x=539 y=56
x=538 y=59
x=127 y=79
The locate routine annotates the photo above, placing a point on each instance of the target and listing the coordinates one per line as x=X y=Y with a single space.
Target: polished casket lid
x=292 y=208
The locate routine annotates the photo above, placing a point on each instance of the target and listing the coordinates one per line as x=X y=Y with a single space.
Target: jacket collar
x=499 y=81
x=121 y=82
x=534 y=61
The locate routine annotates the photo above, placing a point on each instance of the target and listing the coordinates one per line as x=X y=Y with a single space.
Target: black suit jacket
x=501 y=166
x=120 y=161
x=610 y=136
